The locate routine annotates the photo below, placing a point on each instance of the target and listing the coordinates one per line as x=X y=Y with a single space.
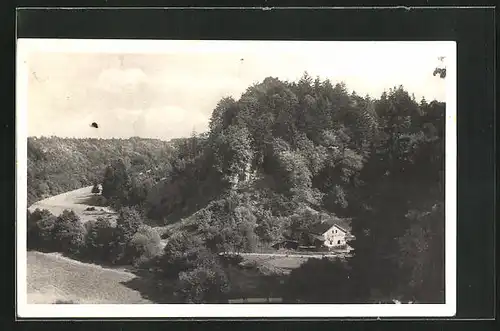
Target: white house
x=332 y=232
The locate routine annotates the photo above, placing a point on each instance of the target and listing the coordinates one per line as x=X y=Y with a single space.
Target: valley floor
x=52 y=277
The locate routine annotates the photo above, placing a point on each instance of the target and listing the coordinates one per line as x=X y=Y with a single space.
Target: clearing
x=78 y=201
x=52 y=277
x=280 y=264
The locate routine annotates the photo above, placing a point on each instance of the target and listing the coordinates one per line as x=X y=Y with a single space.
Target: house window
x=338 y=242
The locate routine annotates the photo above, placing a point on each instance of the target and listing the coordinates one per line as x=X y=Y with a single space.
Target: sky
x=166 y=90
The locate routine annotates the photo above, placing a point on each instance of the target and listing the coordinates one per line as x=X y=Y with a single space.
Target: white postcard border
x=27 y=46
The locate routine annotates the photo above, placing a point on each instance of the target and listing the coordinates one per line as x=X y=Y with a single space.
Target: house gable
x=325 y=226
x=335 y=227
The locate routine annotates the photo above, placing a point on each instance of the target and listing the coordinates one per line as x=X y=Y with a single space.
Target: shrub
x=41 y=224
x=180 y=254
x=128 y=223
x=193 y=272
x=99 y=240
x=69 y=233
x=207 y=282
x=145 y=245
x=32 y=219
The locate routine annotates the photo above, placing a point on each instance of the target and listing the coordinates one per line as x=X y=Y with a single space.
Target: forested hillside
x=285 y=148
x=57 y=165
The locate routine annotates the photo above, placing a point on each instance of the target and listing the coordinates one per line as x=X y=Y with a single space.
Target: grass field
x=76 y=200
x=51 y=277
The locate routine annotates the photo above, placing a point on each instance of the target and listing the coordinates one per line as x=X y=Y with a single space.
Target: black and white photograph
x=240 y=178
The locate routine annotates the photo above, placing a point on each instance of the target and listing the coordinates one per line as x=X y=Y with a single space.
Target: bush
x=207 y=283
x=129 y=242
x=40 y=229
x=99 y=240
x=128 y=223
x=194 y=274
x=180 y=254
x=145 y=245
x=69 y=233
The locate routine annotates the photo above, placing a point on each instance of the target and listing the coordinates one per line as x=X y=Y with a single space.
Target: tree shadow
x=197 y=190
x=64 y=302
x=151 y=287
x=245 y=284
x=96 y=200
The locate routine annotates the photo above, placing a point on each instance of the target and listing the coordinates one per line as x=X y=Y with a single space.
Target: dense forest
x=281 y=158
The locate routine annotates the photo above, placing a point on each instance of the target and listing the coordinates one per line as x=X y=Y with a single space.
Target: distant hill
x=57 y=165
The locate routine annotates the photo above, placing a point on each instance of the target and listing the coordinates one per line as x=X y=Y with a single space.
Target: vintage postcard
x=241 y=178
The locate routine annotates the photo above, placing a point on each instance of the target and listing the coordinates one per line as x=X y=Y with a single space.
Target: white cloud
x=117 y=80
x=162 y=122
x=169 y=121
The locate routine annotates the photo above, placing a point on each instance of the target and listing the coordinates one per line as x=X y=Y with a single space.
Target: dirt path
x=52 y=277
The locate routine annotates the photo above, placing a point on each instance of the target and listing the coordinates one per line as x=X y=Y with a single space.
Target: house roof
x=342 y=224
